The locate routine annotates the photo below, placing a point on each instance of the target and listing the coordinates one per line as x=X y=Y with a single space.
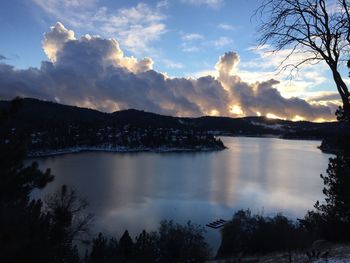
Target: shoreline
x=164 y=149
x=274 y=136
x=80 y=149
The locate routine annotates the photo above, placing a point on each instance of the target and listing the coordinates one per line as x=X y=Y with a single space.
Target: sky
x=175 y=57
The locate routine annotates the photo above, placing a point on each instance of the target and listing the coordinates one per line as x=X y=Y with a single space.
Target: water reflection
x=136 y=191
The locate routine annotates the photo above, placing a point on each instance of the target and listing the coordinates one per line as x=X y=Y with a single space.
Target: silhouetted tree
x=126 y=247
x=103 y=250
x=320 y=32
x=146 y=249
x=27 y=232
x=68 y=223
x=23 y=226
x=312 y=29
x=247 y=233
x=171 y=243
x=331 y=219
x=182 y=242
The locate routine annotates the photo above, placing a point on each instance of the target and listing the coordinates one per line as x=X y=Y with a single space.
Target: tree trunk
x=343 y=91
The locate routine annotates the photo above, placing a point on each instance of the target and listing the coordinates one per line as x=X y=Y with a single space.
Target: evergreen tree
x=182 y=242
x=146 y=249
x=103 y=250
x=248 y=233
x=67 y=222
x=125 y=247
x=28 y=233
x=23 y=227
x=331 y=220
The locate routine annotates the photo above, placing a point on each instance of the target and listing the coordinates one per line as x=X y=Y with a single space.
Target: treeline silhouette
x=255 y=234
x=171 y=243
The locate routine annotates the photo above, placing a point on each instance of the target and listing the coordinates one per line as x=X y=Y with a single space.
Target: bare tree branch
x=312 y=27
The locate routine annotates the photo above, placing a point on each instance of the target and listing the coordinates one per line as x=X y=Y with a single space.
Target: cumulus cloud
x=56 y=39
x=61 y=46
x=263 y=97
x=93 y=72
x=227 y=64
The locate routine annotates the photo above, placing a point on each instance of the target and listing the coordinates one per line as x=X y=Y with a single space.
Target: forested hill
x=39 y=114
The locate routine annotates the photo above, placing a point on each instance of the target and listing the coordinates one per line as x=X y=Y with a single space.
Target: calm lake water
x=136 y=191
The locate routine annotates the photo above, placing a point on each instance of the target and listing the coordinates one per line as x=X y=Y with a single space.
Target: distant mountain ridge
x=43 y=114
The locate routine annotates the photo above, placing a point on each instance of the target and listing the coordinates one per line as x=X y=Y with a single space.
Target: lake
x=136 y=191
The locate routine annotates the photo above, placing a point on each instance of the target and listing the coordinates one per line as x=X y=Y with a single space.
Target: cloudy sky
x=177 y=57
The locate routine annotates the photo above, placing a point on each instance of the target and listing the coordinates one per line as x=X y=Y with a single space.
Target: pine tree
x=334 y=213
x=125 y=247
x=23 y=226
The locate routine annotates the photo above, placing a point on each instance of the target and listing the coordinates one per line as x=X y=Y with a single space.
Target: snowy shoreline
x=47 y=153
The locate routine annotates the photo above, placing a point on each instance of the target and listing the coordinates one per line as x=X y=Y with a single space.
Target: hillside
x=55 y=126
